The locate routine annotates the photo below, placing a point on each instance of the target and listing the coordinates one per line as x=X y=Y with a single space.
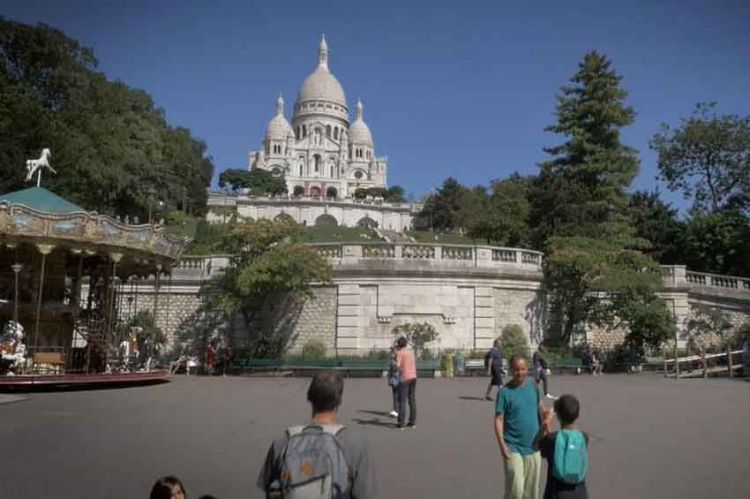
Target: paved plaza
x=650 y=437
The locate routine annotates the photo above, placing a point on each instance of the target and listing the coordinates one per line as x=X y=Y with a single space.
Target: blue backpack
x=571 y=460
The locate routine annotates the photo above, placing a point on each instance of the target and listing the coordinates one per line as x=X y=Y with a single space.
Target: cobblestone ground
x=650 y=437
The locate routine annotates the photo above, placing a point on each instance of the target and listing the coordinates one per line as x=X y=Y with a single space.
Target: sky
x=462 y=89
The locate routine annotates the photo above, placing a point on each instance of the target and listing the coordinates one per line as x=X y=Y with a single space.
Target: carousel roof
x=40 y=199
x=36 y=215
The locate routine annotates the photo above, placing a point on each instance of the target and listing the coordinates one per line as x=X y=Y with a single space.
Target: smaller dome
x=279 y=128
x=359 y=132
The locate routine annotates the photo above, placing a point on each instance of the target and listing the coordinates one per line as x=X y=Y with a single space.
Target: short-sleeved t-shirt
x=407 y=364
x=496 y=359
x=519 y=406
x=556 y=489
x=355 y=449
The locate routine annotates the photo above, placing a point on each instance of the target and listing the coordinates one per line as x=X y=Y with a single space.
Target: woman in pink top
x=407 y=388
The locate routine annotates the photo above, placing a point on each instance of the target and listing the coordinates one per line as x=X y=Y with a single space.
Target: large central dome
x=321 y=92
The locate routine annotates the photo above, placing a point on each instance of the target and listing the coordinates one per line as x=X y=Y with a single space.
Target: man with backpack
x=566 y=452
x=321 y=459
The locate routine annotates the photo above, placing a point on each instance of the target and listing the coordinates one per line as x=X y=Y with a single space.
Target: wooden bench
x=474 y=366
x=49 y=361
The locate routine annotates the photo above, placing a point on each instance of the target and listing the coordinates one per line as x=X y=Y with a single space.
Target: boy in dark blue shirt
x=567 y=409
x=494 y=360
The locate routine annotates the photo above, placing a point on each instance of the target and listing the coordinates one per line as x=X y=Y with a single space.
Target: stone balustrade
x=487 y=257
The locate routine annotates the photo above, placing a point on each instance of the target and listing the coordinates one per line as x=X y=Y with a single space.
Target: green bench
x=568 y=364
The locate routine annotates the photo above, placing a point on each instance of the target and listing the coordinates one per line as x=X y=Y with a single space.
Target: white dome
x=279 y=128
x=359 y=132
x=322 y=85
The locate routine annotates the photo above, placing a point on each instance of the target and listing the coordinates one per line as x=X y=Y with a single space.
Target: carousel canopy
x=38 y=216
x=40 y=199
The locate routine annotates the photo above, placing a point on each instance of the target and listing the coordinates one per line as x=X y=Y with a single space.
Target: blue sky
x=459 y=89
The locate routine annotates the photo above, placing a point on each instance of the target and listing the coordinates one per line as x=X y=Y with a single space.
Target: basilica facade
x=321 y=154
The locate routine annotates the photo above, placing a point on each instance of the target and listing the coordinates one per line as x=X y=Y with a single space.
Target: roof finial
x=323 y=53
x=360 y=109
x=280 y=105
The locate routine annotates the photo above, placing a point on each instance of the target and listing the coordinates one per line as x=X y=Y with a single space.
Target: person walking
x=407 y=387
x=494 y=361
x=393 y=380
x=540 y=370
x=518 y=415
x=321 y=458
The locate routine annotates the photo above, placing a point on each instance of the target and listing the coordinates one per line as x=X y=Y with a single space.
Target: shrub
x=314 y=350
x=514 y=341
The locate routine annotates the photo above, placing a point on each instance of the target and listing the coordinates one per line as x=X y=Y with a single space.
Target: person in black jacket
x=540 y=370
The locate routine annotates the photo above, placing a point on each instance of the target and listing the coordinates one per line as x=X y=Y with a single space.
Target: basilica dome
x=359 y=132
x=321 y=86
x=279 y=128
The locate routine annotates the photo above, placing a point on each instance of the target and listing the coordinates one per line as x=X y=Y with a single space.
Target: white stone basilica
x=321 y=154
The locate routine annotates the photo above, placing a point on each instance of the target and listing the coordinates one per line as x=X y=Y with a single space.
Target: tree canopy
x=111 y=146
x=707 y=158
x=257 y=181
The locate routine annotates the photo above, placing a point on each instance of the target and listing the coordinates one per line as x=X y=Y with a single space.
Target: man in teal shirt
x=518 y=412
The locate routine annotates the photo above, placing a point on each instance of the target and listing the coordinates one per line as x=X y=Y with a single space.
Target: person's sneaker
x=411 y=425
x=488 y=398
x=550 y=396
x=393 y=414
x=400 y=427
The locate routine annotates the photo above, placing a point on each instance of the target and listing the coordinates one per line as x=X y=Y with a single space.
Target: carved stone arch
x=326 y=220
x=332 y=192
x=315 y=191
x=367 y=222
x=284 y=217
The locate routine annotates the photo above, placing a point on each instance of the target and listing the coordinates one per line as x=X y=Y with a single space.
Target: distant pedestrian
x=321 y=458
x=591 y=362
x=210 y=358
x=540 y=366
x=407 y=387
x=494 y=362
x=518 y=413
x=566 y=452
x=168 y=487
x=393 y=380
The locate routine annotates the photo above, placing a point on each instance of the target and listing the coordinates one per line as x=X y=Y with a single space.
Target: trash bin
x=460 y=364
x=448 y=365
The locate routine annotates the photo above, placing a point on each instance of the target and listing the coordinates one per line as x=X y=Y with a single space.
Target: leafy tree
x=656 y=222
x=395 y=194
x=418 y=334
x=360 y=193
x=707 y=158
x=513 y=341
x=717 y=242
x=266 y=263
x=453 y=207
x=112 y=148
x=257 y=181
x=505 y=220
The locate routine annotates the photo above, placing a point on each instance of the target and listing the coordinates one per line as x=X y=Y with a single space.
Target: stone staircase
x=391 y=236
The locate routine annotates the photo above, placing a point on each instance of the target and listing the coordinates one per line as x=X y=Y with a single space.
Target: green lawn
x=431 y=237
x=322 y=234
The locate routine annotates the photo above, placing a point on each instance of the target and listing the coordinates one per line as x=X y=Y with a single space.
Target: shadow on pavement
x=376 y=413
x=374 y=422
x=467 y=397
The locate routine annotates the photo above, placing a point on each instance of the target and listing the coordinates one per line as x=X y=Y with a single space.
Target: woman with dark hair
x=407 y=387
x=393 y=380
x=168 y=487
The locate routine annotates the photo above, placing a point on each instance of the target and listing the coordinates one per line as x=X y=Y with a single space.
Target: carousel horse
x=33 y=165
x=12 y=348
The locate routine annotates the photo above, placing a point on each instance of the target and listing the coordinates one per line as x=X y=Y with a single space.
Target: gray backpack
x=313 y=464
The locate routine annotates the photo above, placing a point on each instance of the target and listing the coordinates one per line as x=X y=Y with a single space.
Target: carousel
x=63 y=273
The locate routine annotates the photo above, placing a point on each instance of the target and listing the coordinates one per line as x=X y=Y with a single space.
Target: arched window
x=298 y=135
x=304 y=130
x=328 y=131
x=336 y=133
x=316 y=160
x=332 y=171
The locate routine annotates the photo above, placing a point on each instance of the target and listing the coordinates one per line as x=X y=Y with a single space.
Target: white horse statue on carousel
x=12 y=348
x=35 y=166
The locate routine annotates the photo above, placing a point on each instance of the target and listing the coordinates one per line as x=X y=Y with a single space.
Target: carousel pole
x=115 y=257
x=156 y=303
x=44 y=249
x=16 y=270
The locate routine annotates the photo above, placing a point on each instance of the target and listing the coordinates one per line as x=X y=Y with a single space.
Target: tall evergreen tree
x=581 y=214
